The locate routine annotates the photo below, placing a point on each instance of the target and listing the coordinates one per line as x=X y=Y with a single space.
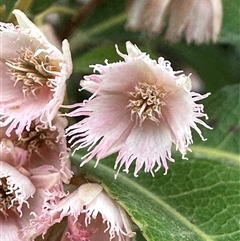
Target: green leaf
x=39 y=6
x=94 y=56
x=230 y=32
x=35 y=6
x=198 y=199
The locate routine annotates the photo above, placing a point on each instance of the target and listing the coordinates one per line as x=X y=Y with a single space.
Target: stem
x=83 y=13
x=38 y=20
x=2 y=10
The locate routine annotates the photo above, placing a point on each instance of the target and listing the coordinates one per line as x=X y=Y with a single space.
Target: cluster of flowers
x=140 y=108
x=34 y=165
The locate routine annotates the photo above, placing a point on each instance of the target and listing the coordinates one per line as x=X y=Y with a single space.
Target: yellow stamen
x=147 y=101
x=34 y=71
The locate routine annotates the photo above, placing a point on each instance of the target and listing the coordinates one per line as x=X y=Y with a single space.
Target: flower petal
x=117 y=222
x=17 y=183
x=91 y=213
x=148 y=15
x=107 y=131
x=130 y=72
x=24 y=22
x=148 y=145
x=9 y=230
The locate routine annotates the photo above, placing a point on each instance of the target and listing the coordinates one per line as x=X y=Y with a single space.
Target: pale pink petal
x=49 y=190
x=179 y=123
x=131 y=71
x=94 y=231
x=149 y=146
x=90 y=212
x=199 y=21
x=200 y=28
x=112 y=215
x=108 y=134
x=18 y=184
x=203 y=29
x=217 y=18
x=56 y=161
x=9 y=230
x=147 y=15
x=71 y=205
x=102 y=83
x=135 y=12
x=42 y=178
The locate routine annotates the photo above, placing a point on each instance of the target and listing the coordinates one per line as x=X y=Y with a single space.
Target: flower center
x=7 y=198
x=34 y=71
x=146 y=102
x=35 y=139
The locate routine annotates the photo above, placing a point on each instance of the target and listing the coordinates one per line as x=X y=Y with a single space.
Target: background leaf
x=9 y=4
x=30 y=7
x=39 y=6
x=230 y=32
x=198 y=199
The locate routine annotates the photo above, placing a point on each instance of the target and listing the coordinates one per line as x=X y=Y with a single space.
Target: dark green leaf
x=95 y=56
x=39 y=6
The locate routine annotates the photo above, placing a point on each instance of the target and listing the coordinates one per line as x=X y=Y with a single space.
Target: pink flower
x=16 y=190
x=24 y=192
x=33 y=168
x=45 y=148
x=198 y=21
x=91 y=216
x=147 y=14
x=139 y=107
x=33 y=75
